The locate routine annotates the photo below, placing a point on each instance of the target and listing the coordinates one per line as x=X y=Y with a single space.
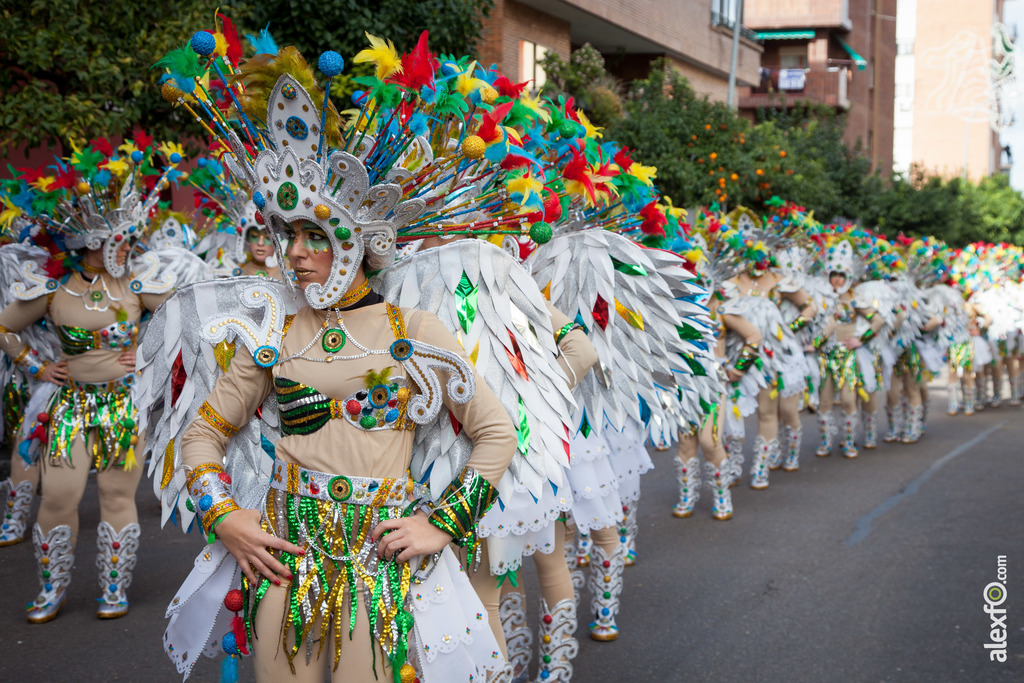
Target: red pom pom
x=547 y=619
x=606 y=564
x=233 y=600
x=115 y=545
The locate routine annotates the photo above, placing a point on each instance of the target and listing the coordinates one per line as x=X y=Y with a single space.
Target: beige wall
x=678 y=29
x=952 y=50
x=703 y=83
x=508 y=24
x=683 y=28
x=780 y=14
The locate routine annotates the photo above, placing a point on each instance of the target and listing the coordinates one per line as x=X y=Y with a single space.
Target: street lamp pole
x=737 y=20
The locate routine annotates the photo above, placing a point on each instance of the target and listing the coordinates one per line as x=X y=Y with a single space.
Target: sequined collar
x=353 y=297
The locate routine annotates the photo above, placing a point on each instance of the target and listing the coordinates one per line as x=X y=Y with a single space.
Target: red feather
x=507 y=88
x=623 y=159
x=234 y=44
x=654 y=221
x=142 y=141
x=103 y=146
x=418 y=66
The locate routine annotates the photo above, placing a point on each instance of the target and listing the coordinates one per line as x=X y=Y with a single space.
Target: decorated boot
x=969 y=394
x=850 y=434
x=583 y=545
x=115 y=561
x=579 y=580
x=953 y=395
x=19 y=505
x=55 y=558
x=915 y=424
x=628 y=531
x=826 y=424
x=558 y=645
x=871 y=431
x=518 y=636
x=791 y=442
x=734 y=448
x=717 y=479
x=775 y=458
x=606 y=586
x=896 y=423
x=688 y=476
x=759 y=462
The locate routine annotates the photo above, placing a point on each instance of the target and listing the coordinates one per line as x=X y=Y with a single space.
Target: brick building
x=695 y=36
x=947 y=105
x=840 y=53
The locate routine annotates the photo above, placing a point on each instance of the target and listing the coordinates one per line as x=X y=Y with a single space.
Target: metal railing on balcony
x=719 y=19
x=781 y=86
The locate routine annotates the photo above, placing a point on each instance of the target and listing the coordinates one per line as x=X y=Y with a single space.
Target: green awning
x=785 y=35
x=857 y=59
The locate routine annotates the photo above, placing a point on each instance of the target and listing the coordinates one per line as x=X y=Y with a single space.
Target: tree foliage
x=82 y=69
x=584 y=78
x=956 y=211
x=79 y=68
x=341 y=25
x=705 y=153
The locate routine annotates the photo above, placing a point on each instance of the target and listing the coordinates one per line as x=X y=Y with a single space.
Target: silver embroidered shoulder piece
x=187 y=345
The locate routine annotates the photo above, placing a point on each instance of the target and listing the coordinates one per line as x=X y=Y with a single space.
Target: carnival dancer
x=234 y=241
x=97 y=204
x=20 y=386
x=709 y=433
x=768 y=369
x=374 y=504
x=853 y=375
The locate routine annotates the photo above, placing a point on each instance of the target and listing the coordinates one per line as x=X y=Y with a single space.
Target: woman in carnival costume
x=847 y=366
x=709 y=433
x=96 y=205
x=383 y=180
x=18 y=382
x=995 y=301
x=233 y=242
x=638 y=308
x=953 y=337
x=768 y=371
x=917 y=354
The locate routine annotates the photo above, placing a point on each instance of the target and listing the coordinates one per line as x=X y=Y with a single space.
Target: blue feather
x=264 y=44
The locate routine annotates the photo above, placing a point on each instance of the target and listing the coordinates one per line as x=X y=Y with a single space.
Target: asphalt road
x=871 y=569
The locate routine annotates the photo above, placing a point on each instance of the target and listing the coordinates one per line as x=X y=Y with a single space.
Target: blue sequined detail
x=296 y=127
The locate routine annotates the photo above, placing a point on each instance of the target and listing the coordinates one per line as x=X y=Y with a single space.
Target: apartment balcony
x=781 y=88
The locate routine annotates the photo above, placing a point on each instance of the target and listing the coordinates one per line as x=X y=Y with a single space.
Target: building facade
x=948 y=107
x=839 y=53
x=695 y=36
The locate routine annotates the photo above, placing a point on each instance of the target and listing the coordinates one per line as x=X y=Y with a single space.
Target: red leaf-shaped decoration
x=516 y=357
x=601 y=312
x=456 y=425
x=178 y=378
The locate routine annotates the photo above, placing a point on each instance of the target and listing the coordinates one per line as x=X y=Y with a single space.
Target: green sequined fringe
x=108 y=416
x=340 y=560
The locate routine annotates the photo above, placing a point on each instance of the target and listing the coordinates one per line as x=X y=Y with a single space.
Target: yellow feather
x=383 y=54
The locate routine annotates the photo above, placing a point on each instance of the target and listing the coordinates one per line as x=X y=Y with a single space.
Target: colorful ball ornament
x=203 y=43
x=330 y=63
